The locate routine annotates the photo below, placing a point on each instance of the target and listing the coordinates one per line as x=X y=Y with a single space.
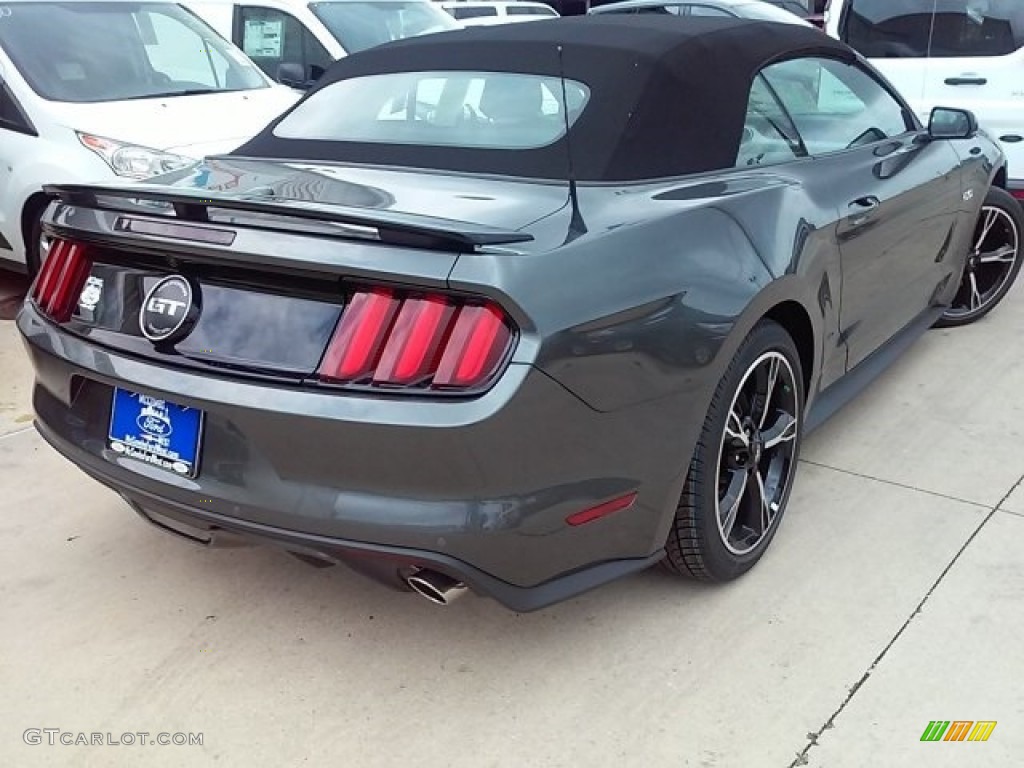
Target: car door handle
x=966 y=81
x=863 y=205
x=861 y=210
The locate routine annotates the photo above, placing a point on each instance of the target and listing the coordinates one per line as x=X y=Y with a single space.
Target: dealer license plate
x=156 y=431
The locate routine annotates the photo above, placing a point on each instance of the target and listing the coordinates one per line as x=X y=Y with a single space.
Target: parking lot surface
x=890 y=598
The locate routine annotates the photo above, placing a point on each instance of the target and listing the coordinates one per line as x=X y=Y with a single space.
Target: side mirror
x=293 y=74
x=950 y=123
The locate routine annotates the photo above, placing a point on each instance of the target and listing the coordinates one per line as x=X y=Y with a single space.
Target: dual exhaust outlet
x=435 y=587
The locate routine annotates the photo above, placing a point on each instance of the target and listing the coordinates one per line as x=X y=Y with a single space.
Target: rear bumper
x=385 y=564
x=478 y=489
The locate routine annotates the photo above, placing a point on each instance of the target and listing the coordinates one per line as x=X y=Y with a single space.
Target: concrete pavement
x=15 y=374
x=891 y=597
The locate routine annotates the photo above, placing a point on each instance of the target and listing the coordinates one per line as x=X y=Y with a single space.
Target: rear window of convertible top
x=482 y=110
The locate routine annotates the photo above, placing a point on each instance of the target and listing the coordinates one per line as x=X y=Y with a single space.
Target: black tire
x=33 y=256
x=984 y=282
x=697 y=543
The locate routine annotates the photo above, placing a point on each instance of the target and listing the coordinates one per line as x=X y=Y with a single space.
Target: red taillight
x=1018 y=193
x=434 y=341
x=59 y=284
x=355 y=348
x=477 y=344
x=413 y=347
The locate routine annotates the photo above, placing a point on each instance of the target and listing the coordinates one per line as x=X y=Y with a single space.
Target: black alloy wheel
x=756 y=456
x=742 y=471
x=992 y=263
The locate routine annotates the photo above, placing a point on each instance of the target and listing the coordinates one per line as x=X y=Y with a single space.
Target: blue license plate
x=156 y=431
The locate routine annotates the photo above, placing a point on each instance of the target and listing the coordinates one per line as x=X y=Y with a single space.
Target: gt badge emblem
x=169 y=311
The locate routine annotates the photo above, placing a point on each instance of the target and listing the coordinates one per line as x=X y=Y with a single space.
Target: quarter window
x=836 y=106
x=769 y=135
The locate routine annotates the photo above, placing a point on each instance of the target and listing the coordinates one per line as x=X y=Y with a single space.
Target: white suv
x=964 y=53
x=488 y=12
x=97 y=90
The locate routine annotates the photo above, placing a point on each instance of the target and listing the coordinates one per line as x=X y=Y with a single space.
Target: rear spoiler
x=387 y=226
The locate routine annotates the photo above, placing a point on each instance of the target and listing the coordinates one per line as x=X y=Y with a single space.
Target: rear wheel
x=993 y=262
x=743 y=468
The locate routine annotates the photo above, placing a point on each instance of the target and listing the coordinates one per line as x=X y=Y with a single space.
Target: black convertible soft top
x=668 y=94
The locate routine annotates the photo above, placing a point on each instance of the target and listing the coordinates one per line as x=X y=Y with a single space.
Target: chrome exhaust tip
x=436 y=587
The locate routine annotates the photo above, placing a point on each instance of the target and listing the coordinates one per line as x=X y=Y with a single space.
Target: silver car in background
x=740 y=9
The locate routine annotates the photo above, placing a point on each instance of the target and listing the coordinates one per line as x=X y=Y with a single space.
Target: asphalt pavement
x=891 y=597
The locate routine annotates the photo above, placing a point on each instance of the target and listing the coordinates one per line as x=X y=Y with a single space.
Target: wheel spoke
x=731 y=503
x=991 y=214
x=976 y=300
x=1007 y=254
x=765 y=503
x=734 y=428
x=773 y=377
x=783 y=431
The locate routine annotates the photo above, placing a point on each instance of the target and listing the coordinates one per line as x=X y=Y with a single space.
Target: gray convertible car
x=516 y=310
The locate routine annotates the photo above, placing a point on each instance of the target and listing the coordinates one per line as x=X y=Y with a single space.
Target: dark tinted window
x=904 y=28
x=473 y=13
x=11 y=118
x=972 y=28
x=529 y=10
x=272 y=38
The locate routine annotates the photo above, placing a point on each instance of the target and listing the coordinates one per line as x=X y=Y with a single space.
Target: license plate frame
x=156 y=431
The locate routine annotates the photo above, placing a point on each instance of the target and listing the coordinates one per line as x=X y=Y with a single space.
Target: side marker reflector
x=602 y=510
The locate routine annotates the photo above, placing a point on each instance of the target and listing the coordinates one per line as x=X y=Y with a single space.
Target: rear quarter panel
x=653 y=301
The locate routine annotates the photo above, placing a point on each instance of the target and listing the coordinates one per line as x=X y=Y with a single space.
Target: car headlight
x=132 y=160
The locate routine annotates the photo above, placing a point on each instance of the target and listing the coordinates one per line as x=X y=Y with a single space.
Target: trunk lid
x=495 y=202
x=275 y=252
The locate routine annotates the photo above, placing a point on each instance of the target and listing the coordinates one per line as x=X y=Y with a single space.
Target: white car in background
x=488 y=12
x=957 y=53
x=94 y=90
x=294 y=41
